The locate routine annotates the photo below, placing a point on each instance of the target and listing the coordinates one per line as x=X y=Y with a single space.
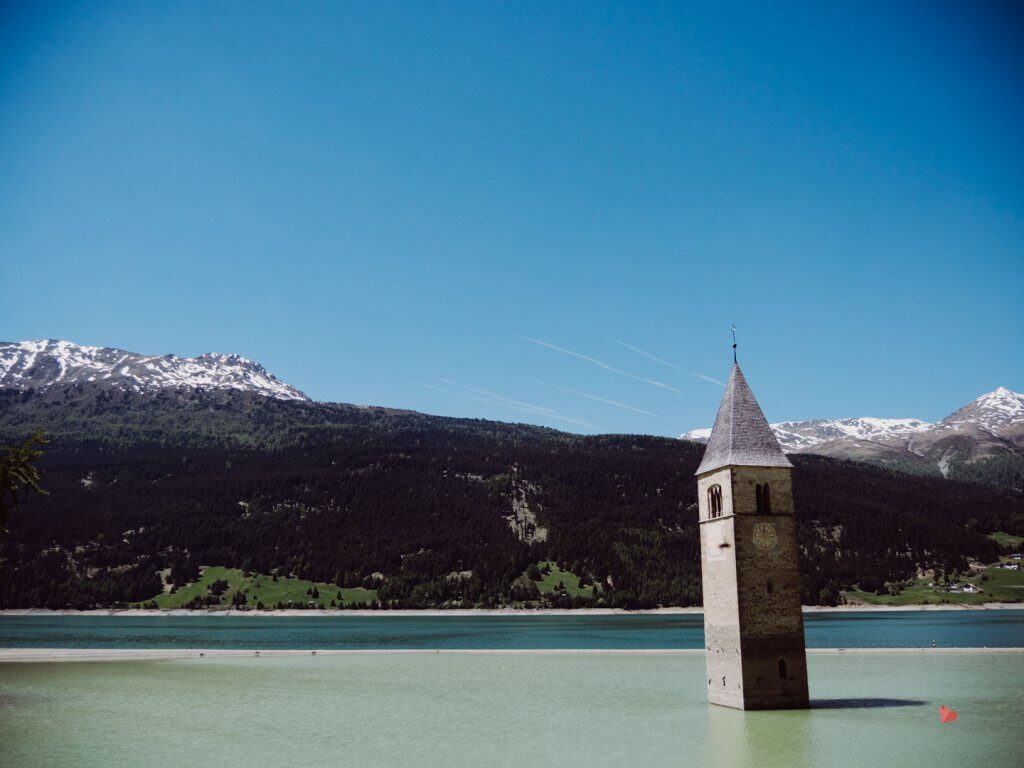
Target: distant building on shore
x=753 y=625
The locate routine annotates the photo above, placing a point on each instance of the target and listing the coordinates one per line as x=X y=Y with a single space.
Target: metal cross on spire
x=734 y=343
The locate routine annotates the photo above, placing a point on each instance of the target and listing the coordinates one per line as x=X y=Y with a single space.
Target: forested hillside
x=428 y=511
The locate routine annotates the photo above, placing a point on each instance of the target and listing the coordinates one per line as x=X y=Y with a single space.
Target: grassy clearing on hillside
x=919 y=594
x=1006 y=539
x=259 y=588
x=998 y=585
x=1001 y=585
x=549 y=582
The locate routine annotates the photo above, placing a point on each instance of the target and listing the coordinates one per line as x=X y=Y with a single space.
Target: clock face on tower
x=764 y=536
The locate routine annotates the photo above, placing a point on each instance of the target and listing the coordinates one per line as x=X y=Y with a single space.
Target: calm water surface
x=425 y=711
x=886 y=629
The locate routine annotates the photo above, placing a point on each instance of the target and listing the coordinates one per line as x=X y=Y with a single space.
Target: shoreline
x=464 y=612
x=57 y=655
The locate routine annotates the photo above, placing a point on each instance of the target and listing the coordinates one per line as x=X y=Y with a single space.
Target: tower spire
x=741 y=435
x=734 y=343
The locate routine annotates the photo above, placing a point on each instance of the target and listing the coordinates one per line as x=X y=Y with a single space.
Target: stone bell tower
x=753 y=626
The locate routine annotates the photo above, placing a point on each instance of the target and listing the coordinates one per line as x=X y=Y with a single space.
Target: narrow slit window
x=763 y=497
x=782 y=669
x=715 y=501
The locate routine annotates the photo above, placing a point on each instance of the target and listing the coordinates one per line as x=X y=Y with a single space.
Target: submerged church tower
x=753 y=627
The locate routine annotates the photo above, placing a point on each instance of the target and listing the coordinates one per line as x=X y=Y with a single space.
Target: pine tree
x=18 y=471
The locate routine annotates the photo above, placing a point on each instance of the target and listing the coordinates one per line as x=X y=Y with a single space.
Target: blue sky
x=415 y=205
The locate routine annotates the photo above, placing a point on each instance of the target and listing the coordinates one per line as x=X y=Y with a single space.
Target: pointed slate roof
x=741 y=435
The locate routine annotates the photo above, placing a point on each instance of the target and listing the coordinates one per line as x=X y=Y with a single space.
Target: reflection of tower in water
x=735 y=739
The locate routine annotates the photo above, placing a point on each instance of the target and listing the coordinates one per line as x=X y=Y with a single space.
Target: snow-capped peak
x=1003 y=402
x=992 y=411
x=700 y=435
x=40 y=365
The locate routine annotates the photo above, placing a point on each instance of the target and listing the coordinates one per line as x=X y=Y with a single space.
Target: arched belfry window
x=715 y=501
x=763 y=495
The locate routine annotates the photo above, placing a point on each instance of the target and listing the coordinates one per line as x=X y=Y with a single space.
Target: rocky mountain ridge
x=48 y=364
x=987 y=431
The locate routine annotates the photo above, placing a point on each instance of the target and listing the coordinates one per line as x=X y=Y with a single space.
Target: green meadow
x=554 y=580
x=259 y=588
x=1007 y=540
x=998 y=585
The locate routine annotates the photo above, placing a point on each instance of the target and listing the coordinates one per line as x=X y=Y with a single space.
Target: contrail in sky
x=603 y=400
x=665 y=362
x=525 y=408
x=652 y=382
x=484 y=392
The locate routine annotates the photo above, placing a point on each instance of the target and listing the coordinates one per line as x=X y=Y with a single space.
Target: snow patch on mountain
x=803 y=435
x=1000 y=413
x=993 y=411
x=700 y=435
x=795 y=436
x=41 y=365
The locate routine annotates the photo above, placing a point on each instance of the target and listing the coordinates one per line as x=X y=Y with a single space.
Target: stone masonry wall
x=751 y=580
x=721 y=615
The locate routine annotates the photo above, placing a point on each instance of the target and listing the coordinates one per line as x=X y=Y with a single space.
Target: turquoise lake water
x=877 y=710
x=882 y=629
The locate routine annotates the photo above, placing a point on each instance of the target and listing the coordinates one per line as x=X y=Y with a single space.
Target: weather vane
x=734 y=342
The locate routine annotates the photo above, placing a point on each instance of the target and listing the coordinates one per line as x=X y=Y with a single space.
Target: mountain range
x=44 y=365
x=157 y=465
x=981 y=442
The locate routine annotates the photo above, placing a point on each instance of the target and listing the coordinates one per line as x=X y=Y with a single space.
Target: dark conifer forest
x=406 y=502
